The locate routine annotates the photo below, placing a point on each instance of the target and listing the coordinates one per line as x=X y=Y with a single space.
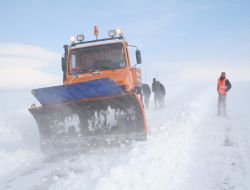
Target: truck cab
x=104 y=58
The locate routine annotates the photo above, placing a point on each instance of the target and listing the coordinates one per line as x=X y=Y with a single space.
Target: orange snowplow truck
x=100 y=100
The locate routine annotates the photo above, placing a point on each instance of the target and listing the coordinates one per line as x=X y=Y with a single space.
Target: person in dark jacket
x=146 y=92
x=223 y=86
x=157 y=90
x=162 y=95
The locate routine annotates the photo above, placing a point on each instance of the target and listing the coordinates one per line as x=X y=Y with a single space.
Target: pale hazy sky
x=188 y=36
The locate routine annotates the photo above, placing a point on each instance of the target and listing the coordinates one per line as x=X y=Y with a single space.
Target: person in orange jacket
x=223 y=86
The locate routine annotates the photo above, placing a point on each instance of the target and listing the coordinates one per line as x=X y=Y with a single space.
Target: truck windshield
x=90 y=59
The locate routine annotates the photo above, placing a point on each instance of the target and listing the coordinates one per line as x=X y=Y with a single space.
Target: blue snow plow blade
x=104 y=87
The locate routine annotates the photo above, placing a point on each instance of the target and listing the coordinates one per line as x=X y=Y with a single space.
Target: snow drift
x=188 y=147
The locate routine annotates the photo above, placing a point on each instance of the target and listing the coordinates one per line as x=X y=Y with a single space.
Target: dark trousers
x=158 y=100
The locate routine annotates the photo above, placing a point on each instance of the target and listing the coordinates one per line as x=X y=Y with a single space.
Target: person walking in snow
x=146 y=92
x=223 y=86
x=162 y=95
x=156 y=88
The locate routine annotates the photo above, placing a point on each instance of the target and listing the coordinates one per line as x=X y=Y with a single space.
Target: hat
x=223 y=74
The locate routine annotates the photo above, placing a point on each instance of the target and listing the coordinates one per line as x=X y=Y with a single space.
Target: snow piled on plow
x=188 y=148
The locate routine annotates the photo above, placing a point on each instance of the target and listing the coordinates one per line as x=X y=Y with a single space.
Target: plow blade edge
x=102 y=112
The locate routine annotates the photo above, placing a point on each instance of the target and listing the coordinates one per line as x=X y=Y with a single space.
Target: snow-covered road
x=188 y=148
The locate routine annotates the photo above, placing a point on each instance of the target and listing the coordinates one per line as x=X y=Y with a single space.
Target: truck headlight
x=119 y=32
x=72 y=39
x=112 y=33
x=80 y=37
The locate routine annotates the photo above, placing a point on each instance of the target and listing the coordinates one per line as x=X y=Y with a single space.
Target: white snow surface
x=188 y=147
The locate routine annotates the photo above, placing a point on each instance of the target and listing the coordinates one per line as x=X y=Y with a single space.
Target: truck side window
x=73 y=61
x=122 y=58
x=73 y=65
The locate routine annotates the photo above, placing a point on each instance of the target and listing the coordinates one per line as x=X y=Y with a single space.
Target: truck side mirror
x=63 y=64
x=138 y=56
